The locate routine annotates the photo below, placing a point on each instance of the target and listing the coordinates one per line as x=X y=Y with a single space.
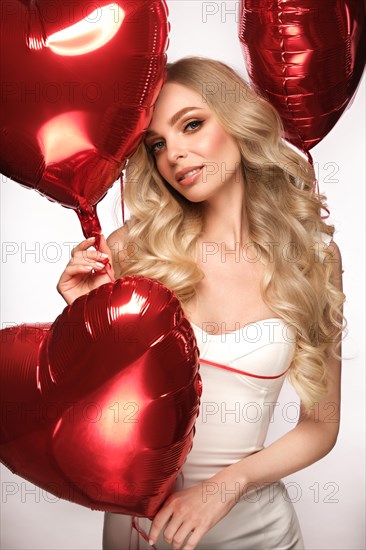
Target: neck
x=224 y=217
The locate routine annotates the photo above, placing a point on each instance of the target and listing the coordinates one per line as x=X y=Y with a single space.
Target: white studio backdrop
x=37 y=236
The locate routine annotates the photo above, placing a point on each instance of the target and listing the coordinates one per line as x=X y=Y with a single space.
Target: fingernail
x=151 y=542
x=103 y=255
x=90 y=238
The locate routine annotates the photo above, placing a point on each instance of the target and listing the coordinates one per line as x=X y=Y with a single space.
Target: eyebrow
x=174 y=119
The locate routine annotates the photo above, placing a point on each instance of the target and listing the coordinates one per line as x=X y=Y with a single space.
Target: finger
x=91 y=256
x=194 y=539
x=103 y=242
x=175 y=531
x=103 y=247
x=74 y=268
x=84 y=245
x=79 y=269
x=158 y=523
x=103 y=253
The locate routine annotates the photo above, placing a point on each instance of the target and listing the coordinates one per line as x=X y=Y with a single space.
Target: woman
x=223 y=213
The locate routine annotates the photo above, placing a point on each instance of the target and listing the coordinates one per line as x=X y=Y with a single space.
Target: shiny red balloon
x=79 y=81
x=99 y=407
x=307 y=58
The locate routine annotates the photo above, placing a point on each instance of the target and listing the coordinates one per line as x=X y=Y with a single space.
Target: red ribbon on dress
x=242 y=371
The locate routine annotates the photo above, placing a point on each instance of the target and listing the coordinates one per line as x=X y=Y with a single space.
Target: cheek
x=165 y=171
x=220 y=144
x=162 y=167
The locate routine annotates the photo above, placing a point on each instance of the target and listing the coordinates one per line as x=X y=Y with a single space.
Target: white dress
x=242 y=374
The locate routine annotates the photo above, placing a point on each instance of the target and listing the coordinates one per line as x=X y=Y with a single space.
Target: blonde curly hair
x=280 y=207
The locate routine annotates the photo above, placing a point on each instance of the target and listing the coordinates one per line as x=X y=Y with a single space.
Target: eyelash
x=152 y=147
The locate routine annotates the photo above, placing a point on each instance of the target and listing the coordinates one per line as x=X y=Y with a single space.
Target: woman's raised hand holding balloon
x=85 y=270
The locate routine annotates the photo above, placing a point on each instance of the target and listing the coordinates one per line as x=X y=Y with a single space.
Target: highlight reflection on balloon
x=82 y=37
x=99 y=407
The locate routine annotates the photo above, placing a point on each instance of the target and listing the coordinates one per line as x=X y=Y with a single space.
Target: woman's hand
x=85 y=271
x=196 y=509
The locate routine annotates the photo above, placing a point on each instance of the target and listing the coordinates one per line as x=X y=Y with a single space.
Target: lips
x=186 y=171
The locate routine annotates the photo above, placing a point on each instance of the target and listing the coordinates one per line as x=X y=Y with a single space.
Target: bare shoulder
x=336 y=259
x=118 y=237
x=118 y=244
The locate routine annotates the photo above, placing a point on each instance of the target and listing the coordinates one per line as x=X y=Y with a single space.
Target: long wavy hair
x=280 y=207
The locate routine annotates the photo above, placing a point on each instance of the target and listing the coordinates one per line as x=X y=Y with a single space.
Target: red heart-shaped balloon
x=79 y=81
x=99 y=407
x=307 y=58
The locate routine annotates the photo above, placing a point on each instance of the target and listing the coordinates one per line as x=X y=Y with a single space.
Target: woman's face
x=191 y=140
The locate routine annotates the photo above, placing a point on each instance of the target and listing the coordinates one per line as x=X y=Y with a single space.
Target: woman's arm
x=311 y=439
x=194 y=511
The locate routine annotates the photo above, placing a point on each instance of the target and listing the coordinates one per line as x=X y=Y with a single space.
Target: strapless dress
x=242 y=374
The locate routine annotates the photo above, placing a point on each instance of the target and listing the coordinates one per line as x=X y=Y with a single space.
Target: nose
x=175 y=150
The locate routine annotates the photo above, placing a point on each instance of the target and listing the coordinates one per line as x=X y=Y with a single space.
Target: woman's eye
x=154 y=145
x=152 y=148
x=193 y=122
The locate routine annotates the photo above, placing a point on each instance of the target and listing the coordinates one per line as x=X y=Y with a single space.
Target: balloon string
x=122 y=198
x=136 y=526
x=315 y=183
x=110 y=272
